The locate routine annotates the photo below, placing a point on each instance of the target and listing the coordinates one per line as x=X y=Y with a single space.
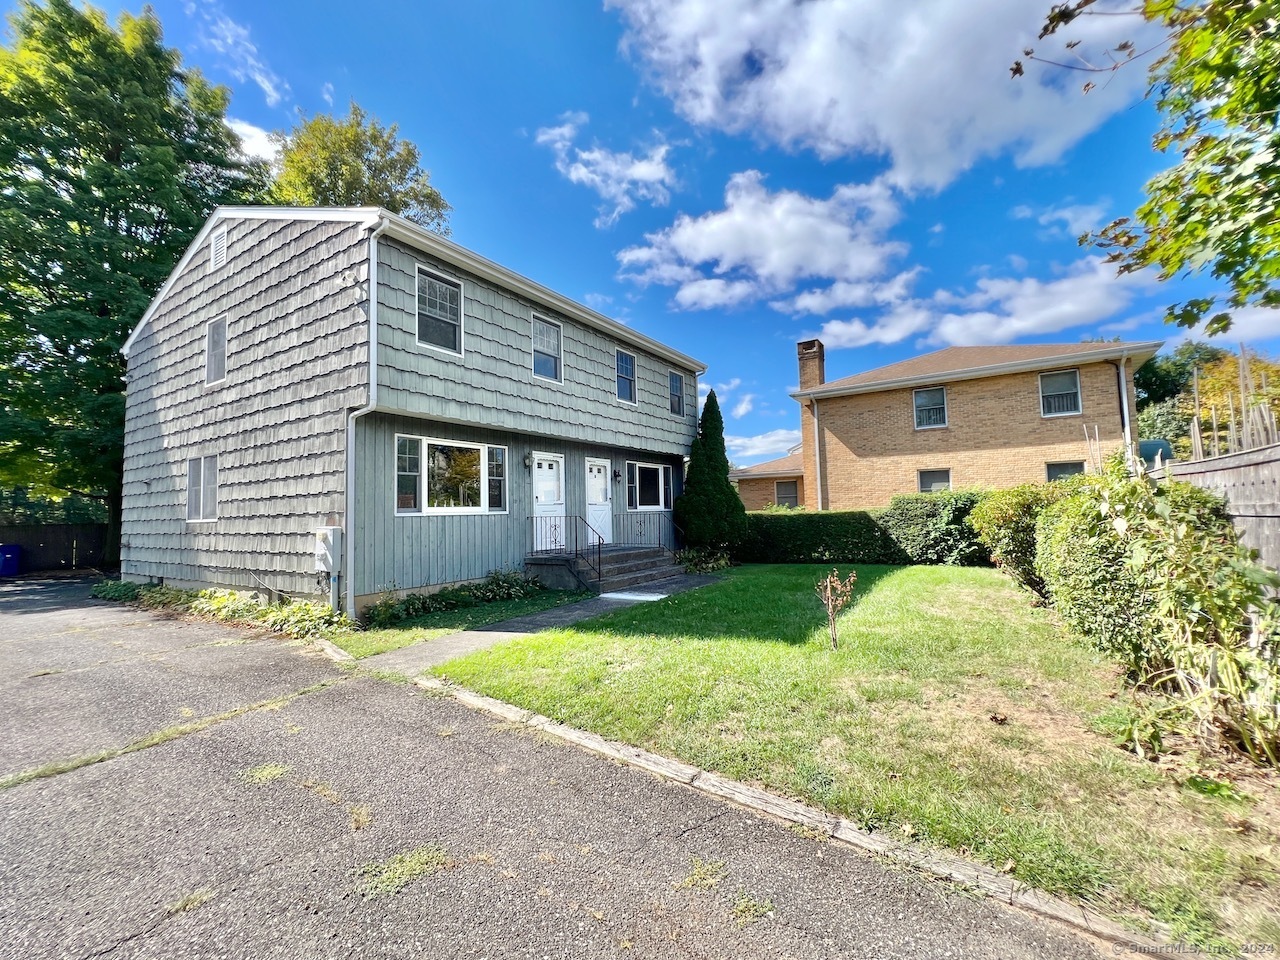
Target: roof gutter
x=376 y=227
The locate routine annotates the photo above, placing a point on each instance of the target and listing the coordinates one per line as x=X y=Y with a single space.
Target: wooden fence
x=1250 y=480
x=57 y=546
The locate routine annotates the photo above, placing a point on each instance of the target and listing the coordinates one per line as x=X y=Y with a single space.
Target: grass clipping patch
x=393 y=875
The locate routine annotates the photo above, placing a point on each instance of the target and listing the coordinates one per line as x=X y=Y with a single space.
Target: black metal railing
x=568 y=537
x=646 y=529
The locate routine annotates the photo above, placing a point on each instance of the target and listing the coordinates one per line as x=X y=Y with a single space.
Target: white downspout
x=1124 y=412
x=376 y=226
x=817 y=455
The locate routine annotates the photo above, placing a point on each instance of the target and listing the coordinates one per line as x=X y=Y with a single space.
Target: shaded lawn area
x=953 y=713
x=365 y=643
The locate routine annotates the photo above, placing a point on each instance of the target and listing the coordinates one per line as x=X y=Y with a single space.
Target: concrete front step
x=641 y=579
x=613 y=568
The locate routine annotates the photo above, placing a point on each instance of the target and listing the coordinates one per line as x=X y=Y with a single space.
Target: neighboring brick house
x=963 y=417
x=779 y=482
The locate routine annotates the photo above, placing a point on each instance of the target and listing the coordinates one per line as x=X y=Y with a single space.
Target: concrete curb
x=971 y=876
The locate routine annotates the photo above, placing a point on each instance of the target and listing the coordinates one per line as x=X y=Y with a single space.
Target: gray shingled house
x=465 y=419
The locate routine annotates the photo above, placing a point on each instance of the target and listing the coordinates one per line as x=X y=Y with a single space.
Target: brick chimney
x=813 y=363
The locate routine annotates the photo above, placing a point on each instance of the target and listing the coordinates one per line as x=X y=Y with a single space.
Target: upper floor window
x=215 y=350
x=1059 y=393
x=218 y=248
x=546 y=349
x=450 y=476
x=786 y=493
x=202 y=488
x=935 y=481
x=439 y=312
x=626 y=376
x=931 y=408
x=675 y=384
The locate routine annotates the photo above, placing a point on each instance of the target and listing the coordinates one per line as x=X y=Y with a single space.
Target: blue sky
x=731 y=176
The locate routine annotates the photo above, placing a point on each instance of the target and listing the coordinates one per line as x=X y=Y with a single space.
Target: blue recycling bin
x=10 y=555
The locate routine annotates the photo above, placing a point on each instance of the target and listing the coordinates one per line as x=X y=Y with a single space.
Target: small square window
x=1056 y=471
x=786 y=493
x=931 y=408
x=675 y=384
x=1060 y=393
x=546 y=349
x=215 y=350
x=626 y=377
x=935 y=481
x=439 y=312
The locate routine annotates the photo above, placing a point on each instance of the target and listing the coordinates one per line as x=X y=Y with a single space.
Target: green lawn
x=365 y=643
x=953 y=713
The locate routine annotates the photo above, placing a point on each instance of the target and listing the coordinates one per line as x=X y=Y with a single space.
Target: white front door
x=599 y=505
x=548 y=501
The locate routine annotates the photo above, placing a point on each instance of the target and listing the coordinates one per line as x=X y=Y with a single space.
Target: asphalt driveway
x=262 y=784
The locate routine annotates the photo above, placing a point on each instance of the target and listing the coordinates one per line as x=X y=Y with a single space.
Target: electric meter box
x=328 y=549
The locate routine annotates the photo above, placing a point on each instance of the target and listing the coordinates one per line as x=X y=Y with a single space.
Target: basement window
x=935 y=481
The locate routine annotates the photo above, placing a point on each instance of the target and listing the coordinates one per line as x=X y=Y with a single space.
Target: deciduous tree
x=1216 y=83
x=355 y=161
x=112 y=155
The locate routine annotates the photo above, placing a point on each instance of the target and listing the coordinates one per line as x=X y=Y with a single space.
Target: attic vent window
x=218 y=249
x=215 y=350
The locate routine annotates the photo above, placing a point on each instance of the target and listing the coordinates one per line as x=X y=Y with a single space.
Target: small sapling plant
x=835 y=595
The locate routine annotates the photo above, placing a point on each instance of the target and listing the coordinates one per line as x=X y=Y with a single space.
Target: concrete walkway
x=420 y=657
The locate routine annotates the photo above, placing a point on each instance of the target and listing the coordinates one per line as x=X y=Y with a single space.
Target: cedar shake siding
x=296 y=361
x=492 y=382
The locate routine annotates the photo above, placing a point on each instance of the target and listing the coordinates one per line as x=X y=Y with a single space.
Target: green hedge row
x=930 y=528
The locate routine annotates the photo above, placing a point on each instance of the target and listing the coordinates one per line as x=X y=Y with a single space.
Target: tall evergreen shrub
x=709 y=512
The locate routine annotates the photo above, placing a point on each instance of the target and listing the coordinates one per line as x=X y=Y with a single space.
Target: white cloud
x=1076 y=218
x=744 y=406
x=762 y=243
x=924 y=83
x=774 y=442
x=998 y=309
x=734 y=384
x=620 y=179
x=326 y=92
x=219 y=33
x=1252 y=324
x=841 y=294
x=255 y=140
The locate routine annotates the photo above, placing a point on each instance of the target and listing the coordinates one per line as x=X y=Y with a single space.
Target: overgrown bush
x=1005 y=522
x=120 y=591
x=498 y=585
x=933 y=528
x=227 y=605
x=161 y=597
x=820 y=536
x=303 y=619
x=702 y=560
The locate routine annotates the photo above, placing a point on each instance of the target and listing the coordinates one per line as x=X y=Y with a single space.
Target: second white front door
x=548 y=501
x=599 y=503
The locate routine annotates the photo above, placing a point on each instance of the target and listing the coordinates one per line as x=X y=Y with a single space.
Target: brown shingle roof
x=790 y=465
x=954 y=363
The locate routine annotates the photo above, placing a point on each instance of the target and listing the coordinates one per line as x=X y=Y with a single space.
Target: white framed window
x=449 y=476
x=935 y=481
x=215 y=350
x=1060 y=393
x=438 y=308
x=786 y=493
x=648 y=486
x=626 y=363
x=1069 y=468
x=202 y=489
x=675 y=386
x=931 y=407
x=547 y=350
x=218 y=249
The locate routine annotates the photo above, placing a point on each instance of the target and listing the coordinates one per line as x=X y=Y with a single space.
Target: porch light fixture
x=528 y=461
x=617 y=476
